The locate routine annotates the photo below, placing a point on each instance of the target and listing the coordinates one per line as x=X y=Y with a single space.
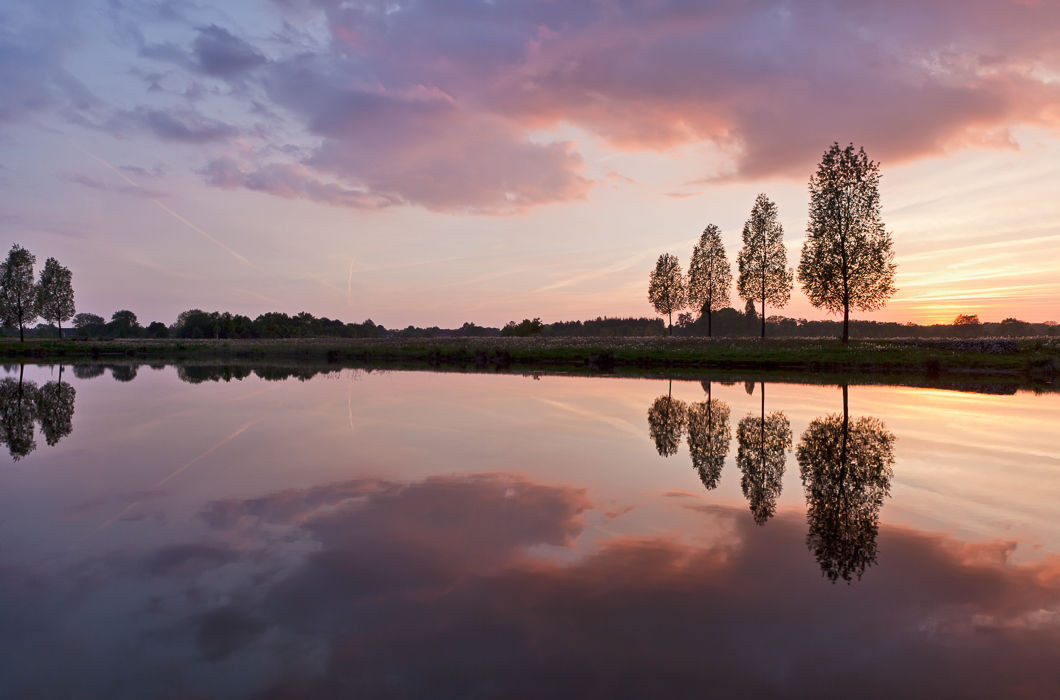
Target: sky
x=432 y=163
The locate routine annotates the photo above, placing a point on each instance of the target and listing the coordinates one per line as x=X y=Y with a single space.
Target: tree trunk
x=846 y=324
x=60 y=324
x=671 y=327
x=709 y=331
x=21 y=333
x=763 y=316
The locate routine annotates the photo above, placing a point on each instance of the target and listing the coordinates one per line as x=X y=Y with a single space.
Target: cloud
x=97 y=184
x=218 y=52
x=289 y=181
x=907 y=80
x=183 y=125
x=35 y=41
x=419 y=145
x=459 y=586
x=422 y=581
x=459 y=107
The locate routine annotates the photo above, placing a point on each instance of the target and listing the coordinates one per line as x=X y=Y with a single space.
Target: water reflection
x=763 y=441
x=667 y=418
x=708 y=437
x=846 y=469
x=22 y=404
x=428 y=547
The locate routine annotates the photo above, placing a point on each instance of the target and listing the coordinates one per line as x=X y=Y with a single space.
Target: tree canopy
x=846 y=470
x=763 y=262
x=667 y=418
x=667 y=289
x=761 y=445
x=18 y=291
x=709 y=274
x=847 y=261
x=708 y=439
x=55 y=294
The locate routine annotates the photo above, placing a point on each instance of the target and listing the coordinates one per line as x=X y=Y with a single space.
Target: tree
x=666 y=423
x=667 y=290
x=18 y=291
x=157 y=329
x=847 y=261
x=55 y=409
x=846 y=469
x=763 y=261
x=762 y=442
x=123 y=324
x=89 y=325
x=55 y=294
x=18 y=411
x=966 y=320
x=523 y=329
x=709 y=275
x=708 y=438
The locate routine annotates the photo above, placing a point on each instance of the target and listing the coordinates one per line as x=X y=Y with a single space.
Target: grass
x=1034 y=358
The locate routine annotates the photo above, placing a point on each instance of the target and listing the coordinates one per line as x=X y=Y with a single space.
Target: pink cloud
x=436 y=104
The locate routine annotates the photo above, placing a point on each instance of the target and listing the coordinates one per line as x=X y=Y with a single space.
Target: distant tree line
x=722 y=322
x=196 y=323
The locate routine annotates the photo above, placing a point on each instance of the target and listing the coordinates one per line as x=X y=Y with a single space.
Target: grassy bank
x=1036 y=359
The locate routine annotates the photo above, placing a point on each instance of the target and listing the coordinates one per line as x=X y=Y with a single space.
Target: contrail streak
x=176 y=472
x=202 y=232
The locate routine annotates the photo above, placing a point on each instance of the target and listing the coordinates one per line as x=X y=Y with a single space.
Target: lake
x=225 y=532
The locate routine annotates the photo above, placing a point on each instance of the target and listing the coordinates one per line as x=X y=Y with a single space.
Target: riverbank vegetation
x=1036 y=359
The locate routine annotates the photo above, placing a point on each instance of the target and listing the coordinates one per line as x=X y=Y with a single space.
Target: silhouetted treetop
x=763 y=261
x=846 y=469
x=847 y=261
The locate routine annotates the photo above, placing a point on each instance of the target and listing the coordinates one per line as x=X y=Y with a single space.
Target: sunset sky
x=439 y=162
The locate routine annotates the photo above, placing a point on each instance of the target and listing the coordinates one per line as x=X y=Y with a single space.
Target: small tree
x=18 y=291
x=847 y=259
x=55 y=294
x=89 y=325
x=763 y=261
x=123 y=324
x=709 y=275
x=667 y=290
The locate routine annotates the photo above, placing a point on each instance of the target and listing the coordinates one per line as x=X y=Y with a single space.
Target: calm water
x=409 y=534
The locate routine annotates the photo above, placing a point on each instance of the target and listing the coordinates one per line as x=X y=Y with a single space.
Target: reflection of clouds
x=434 y=588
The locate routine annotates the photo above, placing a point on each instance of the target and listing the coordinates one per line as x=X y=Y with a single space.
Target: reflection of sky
x=425 y=530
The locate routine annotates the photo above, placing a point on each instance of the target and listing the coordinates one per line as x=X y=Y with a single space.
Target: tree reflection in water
x=762 y=441
x=708 y=438
x=55 y=409
x=22 y=404
x=667 y=418
x=846 y=469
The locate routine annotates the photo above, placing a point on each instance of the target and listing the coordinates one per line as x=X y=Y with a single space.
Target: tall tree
x=667 y=290
x=761 y=445
x=846 y=468
x=709 y=275
x=764 y=274
x=667 y=418
x=847 y=261
x=55 y=409
x=18 y=291
x=708 y=438
x=55 y=293
x=18 y=411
